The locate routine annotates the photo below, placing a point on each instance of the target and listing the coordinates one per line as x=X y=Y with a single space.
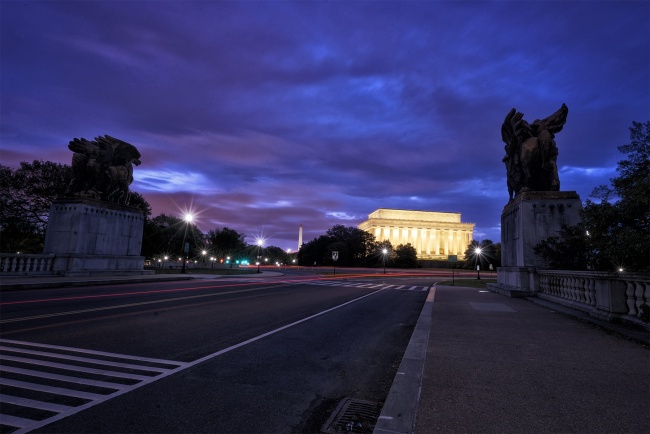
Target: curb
x=400 y=409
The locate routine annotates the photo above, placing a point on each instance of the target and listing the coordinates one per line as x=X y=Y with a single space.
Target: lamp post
x=203 y=253
x=478 y=263
x=188 y=219
x=384 y=252
x=260 y=242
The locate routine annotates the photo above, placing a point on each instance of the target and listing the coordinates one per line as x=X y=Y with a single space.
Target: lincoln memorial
x=434 y=235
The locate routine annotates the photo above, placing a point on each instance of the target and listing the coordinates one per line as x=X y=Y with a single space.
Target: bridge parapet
x=610 y=296
x=27 y=264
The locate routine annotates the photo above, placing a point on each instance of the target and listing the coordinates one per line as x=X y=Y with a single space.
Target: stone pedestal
x=90 y=237
x=525 y=221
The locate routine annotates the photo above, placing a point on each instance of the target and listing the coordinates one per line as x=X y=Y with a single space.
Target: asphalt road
x=222 y=355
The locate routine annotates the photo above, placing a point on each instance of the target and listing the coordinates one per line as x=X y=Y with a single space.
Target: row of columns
x=427 y=241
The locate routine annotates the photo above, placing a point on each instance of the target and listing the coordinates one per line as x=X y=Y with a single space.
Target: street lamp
x=478 y=263
x=188 y=219
x=203 y=253
x=385 y=251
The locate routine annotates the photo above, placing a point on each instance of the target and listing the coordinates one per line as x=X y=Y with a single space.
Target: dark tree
x=359 y=244
x=565 y=251
x=138 y=201
x=164 y=234
x=406 y=256
x=225 y=242
x=315 y=251
x=614 y=233
x=26 y=195
x=275 y=255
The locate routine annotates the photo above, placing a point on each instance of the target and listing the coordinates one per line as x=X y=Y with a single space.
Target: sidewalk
x=10 y=283
x=490 y=363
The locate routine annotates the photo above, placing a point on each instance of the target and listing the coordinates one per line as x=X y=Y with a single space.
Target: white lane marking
x=110 y=381
x=75 y=368
x=25 y=425
x=93 y=352
x=66 y=378
x=49 y=389
x=32 y=403
x=83 y=359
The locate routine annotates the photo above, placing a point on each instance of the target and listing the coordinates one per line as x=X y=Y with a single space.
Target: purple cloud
x=268 y=115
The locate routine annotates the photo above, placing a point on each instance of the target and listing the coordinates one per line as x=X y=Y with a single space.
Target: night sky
x=261 y=116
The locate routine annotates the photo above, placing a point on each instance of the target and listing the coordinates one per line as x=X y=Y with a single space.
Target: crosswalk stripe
x=27 y=363
x=84 y=351
x=50 y=389
x=75 y=368
x=69 y=379
x=365 y=285
x=33 y=403
x=18 y=422
x=84 y=359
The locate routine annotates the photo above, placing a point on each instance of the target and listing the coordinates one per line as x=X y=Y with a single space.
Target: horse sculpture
x=531 y=152
x=103 y=169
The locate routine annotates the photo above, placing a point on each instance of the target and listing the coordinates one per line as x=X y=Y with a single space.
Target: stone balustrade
x=608 y=296
x=26 y=264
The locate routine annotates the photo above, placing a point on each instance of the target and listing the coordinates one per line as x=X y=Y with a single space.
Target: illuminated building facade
x=434 y=235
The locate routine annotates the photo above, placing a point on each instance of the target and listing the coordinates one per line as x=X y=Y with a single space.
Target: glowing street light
x=477 y=251
x=203 y=253
x=384 y=252
x=186 y=248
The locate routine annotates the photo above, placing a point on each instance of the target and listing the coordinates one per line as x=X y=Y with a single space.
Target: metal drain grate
x=353 y=416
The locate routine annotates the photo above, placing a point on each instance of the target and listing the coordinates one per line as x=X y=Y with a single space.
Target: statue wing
x=511 y=126
x=123 y=152
x=81 y=146
x=555 y=122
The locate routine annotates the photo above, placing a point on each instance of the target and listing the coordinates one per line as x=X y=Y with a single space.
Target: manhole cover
x=353 y=416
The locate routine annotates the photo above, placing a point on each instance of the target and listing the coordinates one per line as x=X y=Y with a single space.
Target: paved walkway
x=489 y=363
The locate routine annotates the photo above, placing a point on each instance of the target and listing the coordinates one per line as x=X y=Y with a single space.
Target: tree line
x=614 y=233
x=27 y=192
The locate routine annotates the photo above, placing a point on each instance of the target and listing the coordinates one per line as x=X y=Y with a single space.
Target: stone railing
x=13 y=264
x=609 y=296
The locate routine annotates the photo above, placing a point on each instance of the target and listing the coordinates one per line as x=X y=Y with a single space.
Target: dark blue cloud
x=266 y=115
